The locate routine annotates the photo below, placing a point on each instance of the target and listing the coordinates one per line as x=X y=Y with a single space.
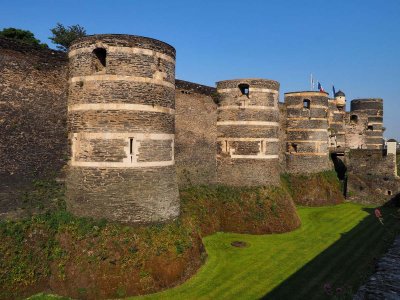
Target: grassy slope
x=335 y=245
x=317 y=189
x=83 y=258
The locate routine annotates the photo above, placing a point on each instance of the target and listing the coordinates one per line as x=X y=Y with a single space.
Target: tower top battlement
x=123 y=40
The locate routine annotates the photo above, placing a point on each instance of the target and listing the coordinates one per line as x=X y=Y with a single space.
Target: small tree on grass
x=64 y=36
x=24 y=36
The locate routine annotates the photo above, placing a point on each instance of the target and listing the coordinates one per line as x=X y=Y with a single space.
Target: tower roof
x=339 y=94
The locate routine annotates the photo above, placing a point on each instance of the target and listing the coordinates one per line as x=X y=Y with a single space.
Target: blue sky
x=353 y=44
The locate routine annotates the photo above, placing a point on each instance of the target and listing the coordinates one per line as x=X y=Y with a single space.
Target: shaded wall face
x=121 y=113
x=195 y=136
x=307 y=132
x=371 y=176
x=33 y=111
x=248 y=133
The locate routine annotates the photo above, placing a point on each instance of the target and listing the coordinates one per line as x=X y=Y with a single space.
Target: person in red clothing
x=378 y=214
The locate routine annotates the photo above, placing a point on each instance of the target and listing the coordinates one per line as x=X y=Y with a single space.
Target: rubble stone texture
x=384 y=283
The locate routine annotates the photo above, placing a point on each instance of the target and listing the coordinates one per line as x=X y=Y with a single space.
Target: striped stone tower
x=372 y=124
x=121 y=129
x=337 y=116
x=247 y=127
x=307 y=132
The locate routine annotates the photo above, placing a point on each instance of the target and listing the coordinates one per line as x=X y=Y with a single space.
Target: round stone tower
x=247 y=126
x=368 y=115
x=307 y=132
x=340 y=99
x=121 y=109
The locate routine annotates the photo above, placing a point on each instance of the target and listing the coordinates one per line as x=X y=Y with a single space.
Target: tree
x=24 y=36
x=64 y=36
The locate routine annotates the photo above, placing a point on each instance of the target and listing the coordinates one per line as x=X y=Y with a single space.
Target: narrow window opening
x=370 y=127
x=353 y=119
x=292 y=147
x=159 y=66
x=389 y=192
x=306 y=104
x=244 y=89
x=99 y=59
x=131 y=148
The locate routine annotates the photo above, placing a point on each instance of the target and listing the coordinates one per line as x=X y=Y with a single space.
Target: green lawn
x=335 y=245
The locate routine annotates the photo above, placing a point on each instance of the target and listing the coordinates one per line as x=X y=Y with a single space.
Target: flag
x=312 y=82
x=321 y=89
x=333 y=89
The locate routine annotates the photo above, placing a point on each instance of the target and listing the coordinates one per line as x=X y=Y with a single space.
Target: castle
x=136 y=134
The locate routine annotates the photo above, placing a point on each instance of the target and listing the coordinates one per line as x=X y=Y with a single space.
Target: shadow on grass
x=337 y=272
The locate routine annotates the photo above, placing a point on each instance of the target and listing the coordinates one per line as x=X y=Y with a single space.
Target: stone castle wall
x=133 y=127
x=195 y=134
x=307 y=132
x=371 y=176
x=33 y=111
x=248 y=132
x=121 y=110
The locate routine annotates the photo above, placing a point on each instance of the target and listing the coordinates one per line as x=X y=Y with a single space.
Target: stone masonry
x=121 y=110
x=136 y=133
x=365 y=124
x=336 y=121
x=247 y=126
x=307 y=132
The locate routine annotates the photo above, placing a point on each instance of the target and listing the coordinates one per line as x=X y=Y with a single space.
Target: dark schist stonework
x=121 y=92
x=33 y=118
x=371 y=176
x=126 y=196
x=124 y=40
x=32 y=110
x=128 y=117
x=196 y=134
x=121 y=127
x=186 y=87
x=247 y=132
x=366 y=120
x=307 y=132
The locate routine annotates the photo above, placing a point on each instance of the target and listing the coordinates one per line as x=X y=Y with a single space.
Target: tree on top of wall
x=64 y=36
x=21 y=35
